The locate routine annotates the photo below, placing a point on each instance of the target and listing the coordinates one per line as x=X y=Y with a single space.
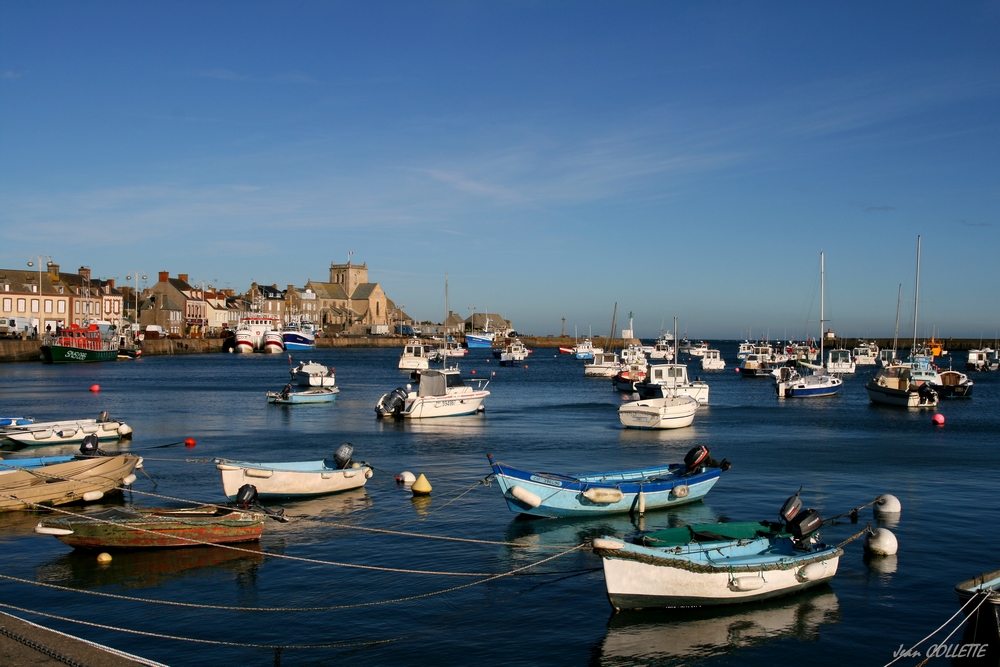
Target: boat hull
x=317 y=395
x=60 y=354
x=444 y=406
x=659 y=413
x=562 y=495
x=473 y=341
x=898 y=397
x=312 y=478
x=64 y=433
x=64 y=483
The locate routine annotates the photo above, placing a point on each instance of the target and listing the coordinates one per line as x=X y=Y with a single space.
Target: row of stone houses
x=347 y=303
x=47 y=298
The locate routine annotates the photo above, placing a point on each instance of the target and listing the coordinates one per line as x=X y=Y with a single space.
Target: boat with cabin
x=514 y=353
x=604 y=365
x=718 y=563
x=840 y=362
x=313 y=374
x=672 y=379
x=79 y=344
x=586 y=350
x=414 y=356
x=978 y=360
x=258 y=333
x=440 y=393
x=712 y=360
x=550 y=494
x=307 y=396
x=865 y=354
x=299 y=335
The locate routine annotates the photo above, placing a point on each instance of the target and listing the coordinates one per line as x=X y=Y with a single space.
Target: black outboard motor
x=791 y=507
x=247 y=496
x=700 y=456
x=104 y=417
x=805 y=524
x=392 y=403
x=926 y=392
x=90 y=446
x=342 y=457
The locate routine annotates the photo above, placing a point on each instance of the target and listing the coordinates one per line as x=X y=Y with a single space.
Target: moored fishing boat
x=952 y=384
x=258 y=333
x=586 y=350
x=514 y=353
x=720 y=563
x=313 y=374
x=83 y=479
x=893 y=385
x=76 y=344
x=980 y=596
x=658 y=413
x=670 y=379
x=299 y=335
x=414 y=356
x=295 y=479
x=143 y=528
x=604 y=365
x=63 y=432
x=441 y=393
x=549 y=494
x=312 y=395
x=712 y=360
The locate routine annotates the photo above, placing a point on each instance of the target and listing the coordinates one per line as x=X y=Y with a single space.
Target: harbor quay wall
x=30 y=350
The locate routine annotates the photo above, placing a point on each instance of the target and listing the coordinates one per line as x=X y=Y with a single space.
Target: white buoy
x=887 y=504
x=642 y=502
x=881 y=542
x=406 y=477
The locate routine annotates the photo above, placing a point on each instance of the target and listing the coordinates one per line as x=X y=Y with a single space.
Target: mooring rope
x=867 y=529
x=195 y=605
x=853 y=513
x=467 y=540
x=942 y=626
x=373 y=642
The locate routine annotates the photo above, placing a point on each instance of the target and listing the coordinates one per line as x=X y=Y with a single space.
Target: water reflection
x=673 y=637
x=142 y=569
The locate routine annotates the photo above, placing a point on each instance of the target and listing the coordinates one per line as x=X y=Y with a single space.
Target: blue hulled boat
x=299 y=336
x=558 y=495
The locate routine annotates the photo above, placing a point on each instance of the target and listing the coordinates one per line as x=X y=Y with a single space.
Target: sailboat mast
x=916 y=299
x=895 y=333
x=822 y=305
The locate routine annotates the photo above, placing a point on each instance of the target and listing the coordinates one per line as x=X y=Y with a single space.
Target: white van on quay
x=13 y=327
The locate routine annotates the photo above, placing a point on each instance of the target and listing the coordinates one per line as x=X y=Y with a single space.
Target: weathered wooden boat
x=144 y=528
x=558 y=495
x=82 y=479
x=982 y=610
x=295 y=479
x=65 y=432
x=717 y=564
x=314 y=395
x=659 y=413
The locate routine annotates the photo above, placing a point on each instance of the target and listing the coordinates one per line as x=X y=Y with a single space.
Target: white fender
x=525 y=496
x=603 y=495
x=642 y=503
x=124 y=430
x=681 y=491
x=812 y=572
x=91 y=496
x=607 y=543
x=747 y=583
x=46 y=530
x=128 y=480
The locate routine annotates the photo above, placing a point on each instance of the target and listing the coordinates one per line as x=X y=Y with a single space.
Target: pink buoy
x=95 y=388
x=938 y=419
x=737 y=370
x=473 y=371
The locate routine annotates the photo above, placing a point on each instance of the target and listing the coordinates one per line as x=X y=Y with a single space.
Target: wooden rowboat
x=143 y=528
x=83 y=479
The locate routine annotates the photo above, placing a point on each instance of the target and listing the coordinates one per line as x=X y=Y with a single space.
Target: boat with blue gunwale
x=312 y=395
x=562 y=495
x=986 y=586
x=295 y=479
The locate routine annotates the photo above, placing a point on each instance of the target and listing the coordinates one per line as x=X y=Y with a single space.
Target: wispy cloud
x=11 y=74
x=230 y=75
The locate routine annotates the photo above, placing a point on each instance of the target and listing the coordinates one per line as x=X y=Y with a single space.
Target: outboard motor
x=90 y=446
x=104 y=417
x=805 y=524
x=696 y=457
x=247 y=496
x=926 y=392
x=342 y=457
x=392 y=403
x=791 y=507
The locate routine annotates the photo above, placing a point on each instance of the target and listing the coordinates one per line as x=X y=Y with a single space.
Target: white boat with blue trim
x=296 y=479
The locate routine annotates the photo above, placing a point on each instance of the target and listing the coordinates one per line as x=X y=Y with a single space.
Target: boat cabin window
x=454 y=380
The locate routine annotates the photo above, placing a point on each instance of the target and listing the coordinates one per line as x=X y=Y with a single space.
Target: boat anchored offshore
x=258 y=333
x=65 y=432
x=313 y=374
x=296 y=479
x=720 y=563
x=312 y=395
x=551 y=494
x=414 y=356
x=440 y=393
x=657 y=413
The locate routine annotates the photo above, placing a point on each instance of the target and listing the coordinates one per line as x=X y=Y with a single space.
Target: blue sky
x=687 y=159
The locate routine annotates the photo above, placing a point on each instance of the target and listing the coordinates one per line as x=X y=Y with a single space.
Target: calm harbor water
x=842 y=450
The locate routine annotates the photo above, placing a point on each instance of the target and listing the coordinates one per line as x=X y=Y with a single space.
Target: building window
x=48 y=305
x=34 y=305
x=7 y=305
x=34 y=289
x=61 y=307
x=21 y=305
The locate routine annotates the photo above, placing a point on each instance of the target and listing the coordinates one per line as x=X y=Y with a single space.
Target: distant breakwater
x=30 y=350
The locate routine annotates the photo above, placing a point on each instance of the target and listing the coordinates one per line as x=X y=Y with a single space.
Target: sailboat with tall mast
x=789 y=383
x=894 y=384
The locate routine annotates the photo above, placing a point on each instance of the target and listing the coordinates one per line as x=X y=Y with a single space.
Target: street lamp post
x=39 y=258
x=399 y=312
x=135 y=275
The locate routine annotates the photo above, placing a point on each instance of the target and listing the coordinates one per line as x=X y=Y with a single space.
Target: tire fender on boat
x=525 y=496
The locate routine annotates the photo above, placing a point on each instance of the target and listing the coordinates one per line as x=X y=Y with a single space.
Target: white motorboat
x=894 y=385
x=604 y=365
x=757 y=365
x=670 y=379
x=313 y=374
x=657 y=413
x=866 y=354
x=441 y=393
x=840 y=361
x=448 y=350
x=978 y=360
x=514 y=353
x=746 y=347
x=662 y=350
x=414 y=356
x=586 y=350
x=295 y=479
x=698 y=349
x=712 y=360
x=66 y=431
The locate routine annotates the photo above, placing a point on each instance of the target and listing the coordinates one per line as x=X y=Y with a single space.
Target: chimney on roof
x=54 y=270
x=111 y=283
x=164 y=276
x=183 y=277
x=85 y=272
x=291 y=289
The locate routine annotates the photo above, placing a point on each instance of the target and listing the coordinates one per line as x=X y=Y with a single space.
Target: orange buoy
x=189 y=443
x=95 y=388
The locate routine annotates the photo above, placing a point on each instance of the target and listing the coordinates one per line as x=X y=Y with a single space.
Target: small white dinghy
x=66 y=432
x=296 y=479
x=667 y=412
